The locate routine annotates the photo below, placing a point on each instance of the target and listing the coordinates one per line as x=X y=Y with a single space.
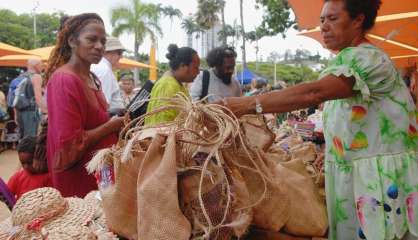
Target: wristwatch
x=258 y=108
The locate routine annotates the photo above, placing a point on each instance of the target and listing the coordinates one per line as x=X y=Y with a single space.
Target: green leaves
x=189 y=25
x=276 y=18
x=138 y=18
x=207 y=12
x=17 y=30
x=171 y=12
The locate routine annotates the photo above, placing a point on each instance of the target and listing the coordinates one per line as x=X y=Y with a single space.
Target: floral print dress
x=371 y=154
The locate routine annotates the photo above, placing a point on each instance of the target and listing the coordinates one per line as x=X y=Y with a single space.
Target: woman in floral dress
x=370 y=126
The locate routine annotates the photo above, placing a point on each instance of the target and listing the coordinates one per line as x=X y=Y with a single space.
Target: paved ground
x=9 y=163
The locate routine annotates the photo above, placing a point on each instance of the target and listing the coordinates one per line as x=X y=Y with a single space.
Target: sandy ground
x=9 y=163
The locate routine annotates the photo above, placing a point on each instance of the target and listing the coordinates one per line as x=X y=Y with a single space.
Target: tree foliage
x=290 y=74
x=140 y=19
x=276 y=17
x=227 y=31
x=17 y=30
x=170 y=12
x=189 y=25
x=207 y=13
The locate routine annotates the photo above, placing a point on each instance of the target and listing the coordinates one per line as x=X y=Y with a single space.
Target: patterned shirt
x=371 y=154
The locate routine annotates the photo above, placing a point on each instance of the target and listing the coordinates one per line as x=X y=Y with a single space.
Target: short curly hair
x=27 y=144
x=368 y=8
x=217 y=55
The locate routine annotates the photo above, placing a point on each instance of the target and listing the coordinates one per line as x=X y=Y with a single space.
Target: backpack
x=4 y=115
x=12 y=88
x=205 y=84
x=138 y=105
x=24 y=99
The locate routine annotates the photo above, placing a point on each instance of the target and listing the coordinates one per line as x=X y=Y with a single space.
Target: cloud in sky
x=173 y=32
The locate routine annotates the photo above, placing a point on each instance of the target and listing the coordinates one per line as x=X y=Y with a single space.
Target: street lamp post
x=34 y=23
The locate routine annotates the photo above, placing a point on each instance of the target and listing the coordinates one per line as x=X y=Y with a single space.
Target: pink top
x=73 y=108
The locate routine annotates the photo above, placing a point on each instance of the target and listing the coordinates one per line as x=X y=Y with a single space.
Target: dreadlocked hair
x=61 y=54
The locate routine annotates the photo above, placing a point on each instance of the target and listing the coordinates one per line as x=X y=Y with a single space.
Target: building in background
x=205 y=41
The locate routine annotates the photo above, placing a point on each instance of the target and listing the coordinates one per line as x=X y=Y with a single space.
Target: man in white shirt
x=104 y=72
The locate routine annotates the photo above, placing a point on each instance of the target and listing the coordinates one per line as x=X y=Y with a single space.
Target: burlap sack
x=272 y=212
x=290 y=142
x=119 y=200
x=257 y=132
x=277 y=155
x=214 y=199
x=297 y=166
x=159 y=214
x=305 y=151
x=308 y=216
x=242 y=214
x=261 y=234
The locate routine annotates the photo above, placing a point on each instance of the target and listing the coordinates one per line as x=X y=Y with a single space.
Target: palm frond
x=122 y=28
x=120 y=14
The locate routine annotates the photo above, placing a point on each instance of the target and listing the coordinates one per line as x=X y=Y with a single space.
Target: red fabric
x=22 y=182
x=73 y=109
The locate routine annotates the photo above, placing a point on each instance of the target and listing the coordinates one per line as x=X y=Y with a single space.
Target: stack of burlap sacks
x=212 y=179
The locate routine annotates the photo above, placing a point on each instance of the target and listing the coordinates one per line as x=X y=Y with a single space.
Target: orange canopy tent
x=395 y=30
x=42 y=52
x=17 y=60
x=45 y=52
x=6 y=49
x=308 y=11
x=126 y=63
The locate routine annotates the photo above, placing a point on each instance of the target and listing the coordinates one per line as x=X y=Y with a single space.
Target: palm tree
x=207 y=17
x=171 y=12
x=244 y=59
x=140 y=19
x=190 y=27
x=229 y=31
x=255 y=36
x=221 y=4
x=199 y=34
x=236 y=33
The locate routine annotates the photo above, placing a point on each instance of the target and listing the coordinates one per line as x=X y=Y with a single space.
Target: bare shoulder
x=36 y=78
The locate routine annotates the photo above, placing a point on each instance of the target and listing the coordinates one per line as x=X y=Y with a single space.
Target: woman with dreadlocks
x=78 y=123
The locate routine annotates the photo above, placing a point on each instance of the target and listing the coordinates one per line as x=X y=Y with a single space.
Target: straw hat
x=113 y=44
x=71 y=233
x=44 y=212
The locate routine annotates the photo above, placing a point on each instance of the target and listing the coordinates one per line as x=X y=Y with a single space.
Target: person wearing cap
x=103 y=71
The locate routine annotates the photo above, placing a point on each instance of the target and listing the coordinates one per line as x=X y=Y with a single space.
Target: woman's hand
x=116 y=123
